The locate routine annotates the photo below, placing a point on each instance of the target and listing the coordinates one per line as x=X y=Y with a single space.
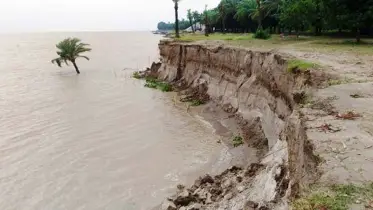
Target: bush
x=136 y=75
x=237 y=141
x=261 y=34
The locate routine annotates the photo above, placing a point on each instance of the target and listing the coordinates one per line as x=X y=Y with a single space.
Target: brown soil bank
x=263 y=96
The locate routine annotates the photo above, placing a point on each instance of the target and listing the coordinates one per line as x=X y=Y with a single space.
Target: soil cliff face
x=262 y=95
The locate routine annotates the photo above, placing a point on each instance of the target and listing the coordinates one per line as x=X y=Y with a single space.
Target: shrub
x=136 y=75
x=237 y=141
x=261 y=34
x=150 y=85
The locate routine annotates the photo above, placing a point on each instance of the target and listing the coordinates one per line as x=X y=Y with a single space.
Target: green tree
x=69 y=50
x=196 y=18
x=244 y=11
x=176 y=7
x=206 y=21
x=226 y=8
x=165 y=26
x=190 y=18
x=259 y=13
x=298 y=14
x=351 y=14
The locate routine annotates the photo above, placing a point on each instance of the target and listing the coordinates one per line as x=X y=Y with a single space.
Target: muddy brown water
x=99 y=140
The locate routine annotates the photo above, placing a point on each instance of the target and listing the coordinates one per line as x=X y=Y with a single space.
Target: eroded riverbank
x=261 y=97
x=282 y=110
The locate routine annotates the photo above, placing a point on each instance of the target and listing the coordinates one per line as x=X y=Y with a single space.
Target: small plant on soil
x=338 y=197
x=136 y=75
x=156 y=84
x=196 y=102
x=295 y=66
x=237 y=141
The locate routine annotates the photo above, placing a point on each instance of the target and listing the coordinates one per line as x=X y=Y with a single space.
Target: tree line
x=284 y=16
x=192 y=19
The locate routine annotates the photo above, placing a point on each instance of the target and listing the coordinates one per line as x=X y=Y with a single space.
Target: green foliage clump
x=300 y=65
x=261 y=34
x=136 y=75
x=237 y=141
x=156 y=84
x=165 y=87
x=196 y=102
x=338 y=197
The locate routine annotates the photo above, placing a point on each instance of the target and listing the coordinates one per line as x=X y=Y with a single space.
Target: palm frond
x=245 y=9
x=82 y=56
x=57 y=61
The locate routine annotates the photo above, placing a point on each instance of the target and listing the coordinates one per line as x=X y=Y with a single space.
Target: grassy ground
x=337 y=197
x=304 y=43
x=215 y=36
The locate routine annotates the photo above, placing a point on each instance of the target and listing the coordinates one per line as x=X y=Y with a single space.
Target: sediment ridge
x=262 y=94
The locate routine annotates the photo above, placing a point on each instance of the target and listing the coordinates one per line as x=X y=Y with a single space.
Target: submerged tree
x=176 y=2
x=69 y=50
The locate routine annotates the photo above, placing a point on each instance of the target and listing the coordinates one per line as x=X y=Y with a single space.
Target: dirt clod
x=350 y=115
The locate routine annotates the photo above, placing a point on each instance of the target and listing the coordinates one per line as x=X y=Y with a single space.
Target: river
x=98 y=140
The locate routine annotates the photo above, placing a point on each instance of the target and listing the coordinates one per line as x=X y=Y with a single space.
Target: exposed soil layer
x=263 y=97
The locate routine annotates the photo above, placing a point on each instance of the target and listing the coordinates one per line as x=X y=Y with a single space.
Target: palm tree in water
x=176 y=2
x=69 y=50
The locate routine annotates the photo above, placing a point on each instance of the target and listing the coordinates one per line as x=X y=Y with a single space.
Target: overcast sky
x=83 y=15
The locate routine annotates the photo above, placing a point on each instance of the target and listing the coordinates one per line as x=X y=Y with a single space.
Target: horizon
x=43 y=16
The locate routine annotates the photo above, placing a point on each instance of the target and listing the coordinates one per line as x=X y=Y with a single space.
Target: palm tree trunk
x=358 y=37
x=177 y=20
x=191 y=24
x=223 y=24
x=76 y=67
x=260 y=15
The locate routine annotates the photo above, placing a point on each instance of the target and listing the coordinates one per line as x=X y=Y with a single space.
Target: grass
x=214 y=36
x=136 y=75
x=337 y=197
x=304 y=43
x=297 y=65
x=196 y=102
x=237 y=141
x=156 y=84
